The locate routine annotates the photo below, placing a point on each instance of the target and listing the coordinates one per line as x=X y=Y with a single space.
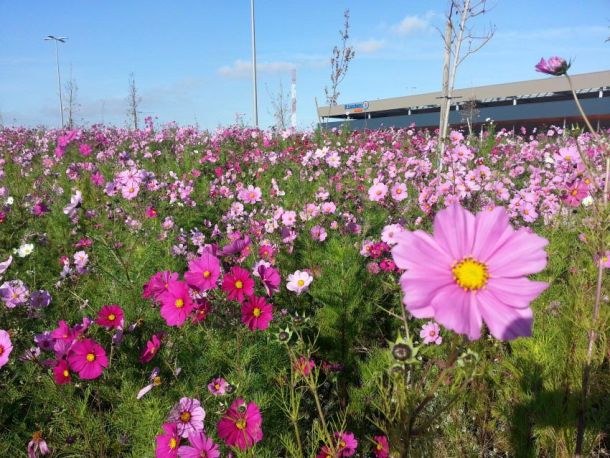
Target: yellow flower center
x=568 y=158
x=66 y=373
x=1 y=349
x=239 y=284
x=37 y=436
x=173 y=443
x=301 y=282
x=112 y=317
x=185 y=417
x=90 y=357
x=241 y=424
x=470 y=274
x=206 y=274
x=256 y=312
x=179 y=303
x=398 y=191
x=379 y=446
x=216 y=386
x=604 y=260
x=342 y=444
x=378 y=192
x=157 y=381
x=252 y=195
x=574 y=192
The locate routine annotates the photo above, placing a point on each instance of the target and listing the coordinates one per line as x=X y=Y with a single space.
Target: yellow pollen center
x=217 y=386
x=379 y=446
x=206 y=274
x=568 y=158
x=398 y=191
x=256 y=312
x=301 y=282
x=157 y=381
x=378 y=193
x=252 y=195
x=342 y=444
x=574 y=192
x=131 y=189
x=173 y=443
x=239 y=284
x=179 y=303
x=470 y=274
x=66 y=373
x=1 y=349
x=604 y=260
x=112 y=317
x=186 y=416
x=90 y=357
x=241 y=424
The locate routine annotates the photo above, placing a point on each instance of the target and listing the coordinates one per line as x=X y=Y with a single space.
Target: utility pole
x=58 y=40
x=254 y=63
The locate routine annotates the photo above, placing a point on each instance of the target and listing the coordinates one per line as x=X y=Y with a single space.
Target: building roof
x=538 y=88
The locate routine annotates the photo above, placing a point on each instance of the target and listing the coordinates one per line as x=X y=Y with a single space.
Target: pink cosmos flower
x=63 y=332
x=318 y=233
x=299 y=281
x=241 y=425
x=85 y=149
x=472 y=270
x=176 y=303
x=399 y=192
x=555 y=66
x=158 y=284
x=238 y=284
x=154 y=380
x=110 y=316
x=37 y=444
x=188 y=415
x=152 y=348
x=270 y=277
x=346 y=443
x=605 y=260
x=201 y=447
x=87 y=358
x=168 y=443
x=382 y=447
x=203 y=272
x=218 y=386
x=6 y=347
x=250 y=195
x=430 y=333
x=61 y=372
x=256 y=313
x=304 y=366
x=377 y=192
x=575 y=193
x=150 y=212
x=326 y=452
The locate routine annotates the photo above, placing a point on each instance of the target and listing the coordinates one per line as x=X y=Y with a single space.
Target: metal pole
x=254 y=63
x=61 y=103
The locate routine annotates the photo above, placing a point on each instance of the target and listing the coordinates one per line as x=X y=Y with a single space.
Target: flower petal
x=516 y=292
x=457 y=310
x=521 y=254
x=415 y=249
x=504 y=322
x=454 y=231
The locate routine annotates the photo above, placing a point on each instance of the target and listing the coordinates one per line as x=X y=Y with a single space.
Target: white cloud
x=369 y=46
x=243 y=68
x=412 y=24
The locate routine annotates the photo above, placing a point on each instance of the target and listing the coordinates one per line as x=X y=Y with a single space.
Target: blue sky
x=190 y=58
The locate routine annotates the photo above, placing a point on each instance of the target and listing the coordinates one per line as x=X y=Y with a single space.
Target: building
x=529 y=103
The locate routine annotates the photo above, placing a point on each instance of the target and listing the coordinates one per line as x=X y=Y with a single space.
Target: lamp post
x=58 y=40
x=254 y=63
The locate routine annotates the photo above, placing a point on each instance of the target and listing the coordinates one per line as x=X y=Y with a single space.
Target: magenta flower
x=346 y=443
x=87 y=358
x=152 y=348
x=382 y=447
x=238 y=284
x=472 y=270
x=188 y=415
x=270 y=277
x=430 y=333
x=176 y=303
x=63 y=332
x=37 y=444
x=168 y=443
x=218 y=386
x=203 y=272
x=575 y=193
x=158 y=284
x=241 y=425
x=6 y=347
x=256 y=313
x=201 y=447
x=110 y=316
x=555 y=66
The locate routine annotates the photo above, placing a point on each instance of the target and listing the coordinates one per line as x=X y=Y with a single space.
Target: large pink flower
x=203 y=272
x=472 y=270
x=176 y=303
x=87 y=358
x=241 y=425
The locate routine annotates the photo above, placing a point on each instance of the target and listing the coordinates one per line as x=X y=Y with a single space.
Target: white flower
x=587 y=201
x=299 y=282
x=391 y=232
x=10 y=200
x=25 y=250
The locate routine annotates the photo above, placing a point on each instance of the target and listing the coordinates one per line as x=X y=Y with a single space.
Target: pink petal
x=516 y=292
x=144 y=390
x=457 y=310
x=419 y=289
x=504 y=322
x=493 y=229
x=415 y=249
x=454 y=231
x=521 y=254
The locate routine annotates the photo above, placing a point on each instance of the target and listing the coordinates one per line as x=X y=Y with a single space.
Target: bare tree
x=280 y=106
x=71 y=105
x=470 y=113
x=458 y=31
x=339 y=63
x=133 y=101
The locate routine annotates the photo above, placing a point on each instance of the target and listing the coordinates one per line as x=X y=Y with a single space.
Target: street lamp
x=254 y=63
x=57 y=40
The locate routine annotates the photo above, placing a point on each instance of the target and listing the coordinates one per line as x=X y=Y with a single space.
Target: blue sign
x=357 y=106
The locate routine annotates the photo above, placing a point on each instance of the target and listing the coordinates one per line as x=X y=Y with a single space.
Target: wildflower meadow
x=329 y=293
